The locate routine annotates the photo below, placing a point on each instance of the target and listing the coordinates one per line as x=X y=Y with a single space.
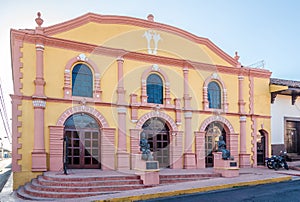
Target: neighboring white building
x=285 y=121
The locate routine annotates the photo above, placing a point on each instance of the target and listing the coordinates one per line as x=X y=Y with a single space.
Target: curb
x=195 y=190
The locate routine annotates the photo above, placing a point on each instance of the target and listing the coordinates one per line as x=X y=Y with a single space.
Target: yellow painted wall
x=28 y=70
x=262 y=97
x=27 y=131
x=132 y=38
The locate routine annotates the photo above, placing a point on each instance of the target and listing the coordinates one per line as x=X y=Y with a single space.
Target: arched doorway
x=83 y=135
x=157 y=133
x=261 y=147
x=212 y=133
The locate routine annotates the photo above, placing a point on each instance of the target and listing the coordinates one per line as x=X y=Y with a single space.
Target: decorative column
x=55 y=148
x=38 y=155
x=232 y=140
x=108 y=148
x=134 y=145
x=176 y=149
x=244 y=158
x=122 y=154
x=200 y=149
x=189 y=156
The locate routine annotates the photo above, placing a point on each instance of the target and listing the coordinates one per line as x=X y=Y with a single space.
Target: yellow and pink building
x=101 y=80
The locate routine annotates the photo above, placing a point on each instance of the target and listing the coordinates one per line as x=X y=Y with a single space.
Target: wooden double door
x=157 y=134
x=83 y=148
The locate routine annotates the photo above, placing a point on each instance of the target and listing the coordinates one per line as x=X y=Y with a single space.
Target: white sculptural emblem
x=152 y=35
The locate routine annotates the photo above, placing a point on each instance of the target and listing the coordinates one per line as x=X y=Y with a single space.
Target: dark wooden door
x=83 y=148
x=159 y=145
x=261 y=149
x=157 y=134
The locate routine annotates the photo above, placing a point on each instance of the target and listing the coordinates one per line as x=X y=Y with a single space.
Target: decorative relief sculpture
x=152 y=35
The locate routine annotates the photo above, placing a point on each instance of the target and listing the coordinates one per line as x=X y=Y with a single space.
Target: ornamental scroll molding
x=39 y=103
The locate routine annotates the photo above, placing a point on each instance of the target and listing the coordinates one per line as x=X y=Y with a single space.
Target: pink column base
x=227 y=172
x=244 y=160
x=38 y=161
x=223 y=166
x=56 y=163
x=189 y=161
x=149 y=177
x=123 y=161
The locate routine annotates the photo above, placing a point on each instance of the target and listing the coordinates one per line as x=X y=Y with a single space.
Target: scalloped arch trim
x=82 y=109
x=221 y=119
x=153 y=114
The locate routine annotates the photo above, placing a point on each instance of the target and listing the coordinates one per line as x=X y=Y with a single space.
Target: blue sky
x=266 y=30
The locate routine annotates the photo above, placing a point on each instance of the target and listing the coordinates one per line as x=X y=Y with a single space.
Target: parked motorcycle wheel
x=275 y=166
x=269 y=164
x=286 y=166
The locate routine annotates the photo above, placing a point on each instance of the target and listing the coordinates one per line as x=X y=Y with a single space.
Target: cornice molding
x=114 y=52
x=112 y=19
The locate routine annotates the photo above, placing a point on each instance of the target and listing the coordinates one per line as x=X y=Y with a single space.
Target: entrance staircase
x=55 y=186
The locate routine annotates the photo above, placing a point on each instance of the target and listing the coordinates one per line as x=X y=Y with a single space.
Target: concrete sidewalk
x=248 y=176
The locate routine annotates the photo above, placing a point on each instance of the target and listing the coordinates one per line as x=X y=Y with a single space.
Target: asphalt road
x=277 y=192
x=5 y=171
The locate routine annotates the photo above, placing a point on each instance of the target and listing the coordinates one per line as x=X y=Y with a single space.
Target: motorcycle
x=270 y=161
x=276 y=162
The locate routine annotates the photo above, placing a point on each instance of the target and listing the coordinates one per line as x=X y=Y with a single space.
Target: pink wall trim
x=85 y=109
x=144 y=118
x=16 y=102
x=68 y=77
x=254 y=140
x=16 y=46
x=221 y=119
x=215 y=77
x=87 y=48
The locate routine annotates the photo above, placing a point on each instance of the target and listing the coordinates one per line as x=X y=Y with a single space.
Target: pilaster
x=189 y=156
x=200 y=149
x=55 y=147
x=38 y=155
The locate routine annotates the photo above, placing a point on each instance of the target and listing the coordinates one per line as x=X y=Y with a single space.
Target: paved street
x=276 y=192
x=5 y=171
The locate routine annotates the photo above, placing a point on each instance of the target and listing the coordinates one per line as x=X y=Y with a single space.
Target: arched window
x=154 y=89
x=214 y=95
x=82 y=81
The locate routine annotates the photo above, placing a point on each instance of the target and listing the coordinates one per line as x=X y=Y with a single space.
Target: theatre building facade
x=102 y=80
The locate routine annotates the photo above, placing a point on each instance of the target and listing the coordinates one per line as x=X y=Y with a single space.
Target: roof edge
x=107 y=19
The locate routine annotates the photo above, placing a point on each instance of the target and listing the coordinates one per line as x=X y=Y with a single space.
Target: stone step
x=178 y=180
x=191 y=176
x=35 y=185
x=20 y=193
x=41 y=195
x=76 y=178
x=52 y=182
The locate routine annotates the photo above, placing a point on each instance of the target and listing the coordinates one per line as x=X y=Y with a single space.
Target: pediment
x=139 y=35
